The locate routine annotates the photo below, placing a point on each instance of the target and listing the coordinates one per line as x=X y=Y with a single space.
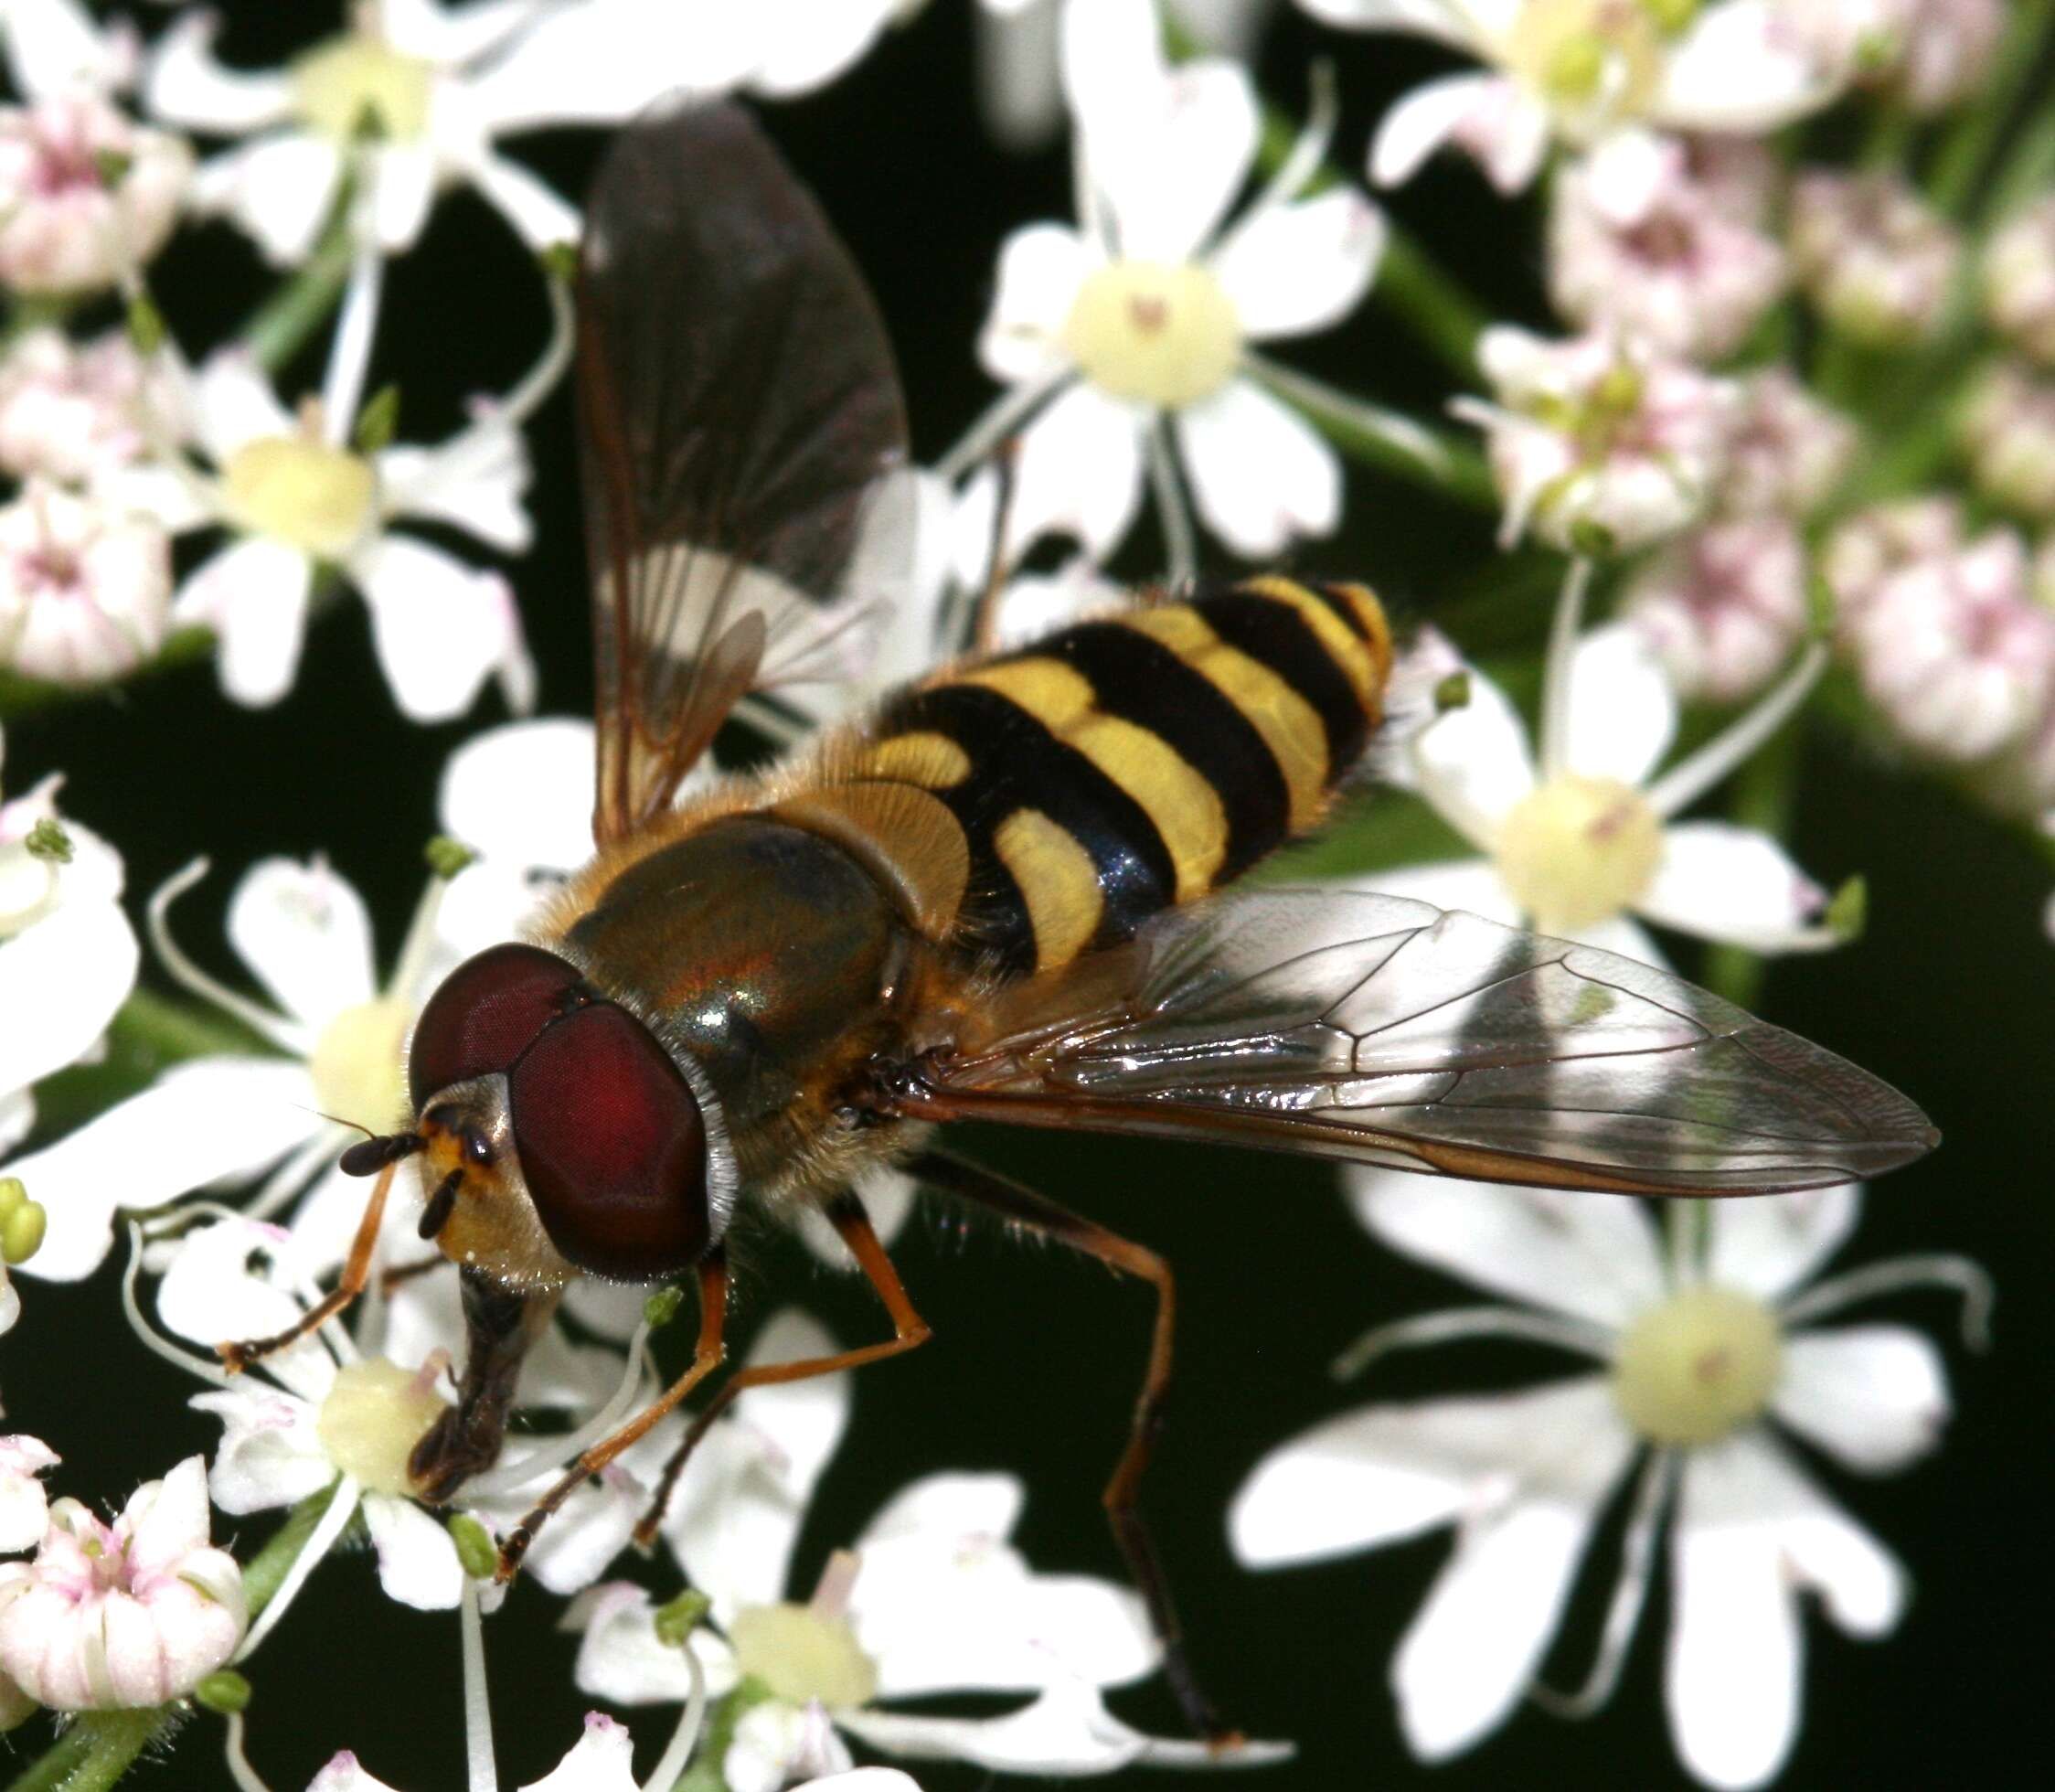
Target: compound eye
x=485 y=1015
x=612 y=1144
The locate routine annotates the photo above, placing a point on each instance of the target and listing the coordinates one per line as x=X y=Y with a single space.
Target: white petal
x=1876 y=1397
x=475 y=480
x=1623 y=714
x=1461 y=24
x=306 y=934
x=232 y=402
x=820 y=40
x=18 y=1119
x=279 y=187
x=417 y=1562
x=254 y=596
x=1750 y=1530
x=1040 y=268
x=1422 y=120
x=1299 y=268
x=1739 y=70
x=61 y=980
x=611 y=1309
x=523 y=793
x=23 y=1505
x=1169 y=160
x=1261 y=474
x=526 y=201
x=1080 y=471
x=887 y=1197
x=1592 y=1256
x=184 y=85
x=230 y=1279
x=270 y=1454
x=1471 y=885
x=603 y=1760
x=619 y=1658
x=1768 y=1247
x=1622 y=934
x=1473 y=763
x=209 y=1120
x=441 y=627
x=1723 y=882
x=402 y=189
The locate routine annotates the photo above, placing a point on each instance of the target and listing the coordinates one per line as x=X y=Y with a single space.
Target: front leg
x=500 y=1326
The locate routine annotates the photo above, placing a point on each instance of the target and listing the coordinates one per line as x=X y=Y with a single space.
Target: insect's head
x=556 y=1132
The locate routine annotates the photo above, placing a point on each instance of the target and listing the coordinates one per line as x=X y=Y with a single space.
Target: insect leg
x=705 y=1358
x=846 y=1213
x=979 y=1187
x=238 y=1355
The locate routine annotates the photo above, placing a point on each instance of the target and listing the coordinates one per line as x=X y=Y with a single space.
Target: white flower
x=57 y=47
x=1576 y=69
x=2019 y=275
x=422 y=93
x=1699 y=1356
x=84 y=587
x=25 y=1508
x=68 y=955
x=1599 y=435
x=86 y=195
x=1724 y=606
x=72 y=411
x=133 y=1613
x=1875 y=258
x=1788 y=451
x=2007 y=427
x=1580 y=845
x=1637 y=244
x=931 y=1599
x=304 y=932
x=1134 y=331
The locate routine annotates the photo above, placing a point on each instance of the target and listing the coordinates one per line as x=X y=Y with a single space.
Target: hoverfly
x=1004 y=894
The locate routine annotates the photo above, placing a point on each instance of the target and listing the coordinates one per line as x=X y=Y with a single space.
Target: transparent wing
x=741 y=422
x=1386 y=1031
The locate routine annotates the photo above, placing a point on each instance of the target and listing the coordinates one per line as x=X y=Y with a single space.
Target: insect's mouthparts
x=369 y=1156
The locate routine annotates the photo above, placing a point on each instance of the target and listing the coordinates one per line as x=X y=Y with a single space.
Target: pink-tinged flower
x=1946 y=48
x=128 y=1614
x=1724 y=606
x=1126 y=346
x=2009 y=431
x=1873 y=544
x=1953 y=652
x=1597 y=437
x=2018 y=274
x=1876 y=259
x=1638 y=245
x=72 y=411
x=1789 y=450
x=86 y=195
x=25 y=1508
x=1575 y=71
x=1701 y=1366
x=85 y=588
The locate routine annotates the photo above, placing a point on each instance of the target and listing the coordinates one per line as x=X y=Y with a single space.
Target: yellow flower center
x=1702 y=1364
x=1163 y=334
x=1575 y=851
x=357 y=1064
x=303 y=491
x=371 y=1420
x=1604 y=57
x=802 y=1654
x=356 y=85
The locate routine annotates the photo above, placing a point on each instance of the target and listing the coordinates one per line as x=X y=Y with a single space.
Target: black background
x=1949 y=996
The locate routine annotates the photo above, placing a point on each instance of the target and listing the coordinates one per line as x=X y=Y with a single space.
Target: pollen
x=357 y=1064
x=1575 y=851
x=803 y=1654
x=372 y=1418
x=354 y=86
x=1702 y=1364
x=305 y=493
x=1158 y=333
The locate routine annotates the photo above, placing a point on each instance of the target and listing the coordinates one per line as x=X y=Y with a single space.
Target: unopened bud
x=223 y=1690
x=21 y=1232
x=477 y=1554
x=1848 y=910
x=662 y=1308
x=446 y=857
x=145 y=324
x=378 y=421
x=1453 y=693
x=48 y=841
x=559 y=262
x=677 y=1620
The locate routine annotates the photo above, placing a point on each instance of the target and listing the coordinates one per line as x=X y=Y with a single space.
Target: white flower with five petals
x=1132 y=331
x=1702 y=1362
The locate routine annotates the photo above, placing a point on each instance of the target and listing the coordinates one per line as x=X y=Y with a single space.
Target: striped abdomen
x=1121 y=766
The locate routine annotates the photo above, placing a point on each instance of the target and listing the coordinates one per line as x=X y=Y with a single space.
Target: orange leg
x=1022 y=1207
x=356 y=1274
x=705 y=1358
x=846 y=1212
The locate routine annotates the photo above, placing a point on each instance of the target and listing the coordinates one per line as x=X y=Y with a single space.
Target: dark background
x=1949 y=996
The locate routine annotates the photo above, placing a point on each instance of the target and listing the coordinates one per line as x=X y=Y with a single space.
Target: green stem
x=1414 y=288
x=265 y=1571
x=2028 y=170
x=48 y=1769
x=279 y=329
x=96 y=1751
x=1952 y=182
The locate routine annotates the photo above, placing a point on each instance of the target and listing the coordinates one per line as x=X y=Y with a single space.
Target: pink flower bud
x=1947 y=51
x=71 y=411
x=127 y=1614
x=1883 y=539
x=1789 y=450
x=2019 y=279
x=1877 y=260
x=85 y=194
x=1724 y=606
x=2008 y=429
x=1638 y=242
x=84 y=588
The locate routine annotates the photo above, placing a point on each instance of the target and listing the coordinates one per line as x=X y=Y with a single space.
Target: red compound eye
x=612 y=1144
x=487 y=1012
